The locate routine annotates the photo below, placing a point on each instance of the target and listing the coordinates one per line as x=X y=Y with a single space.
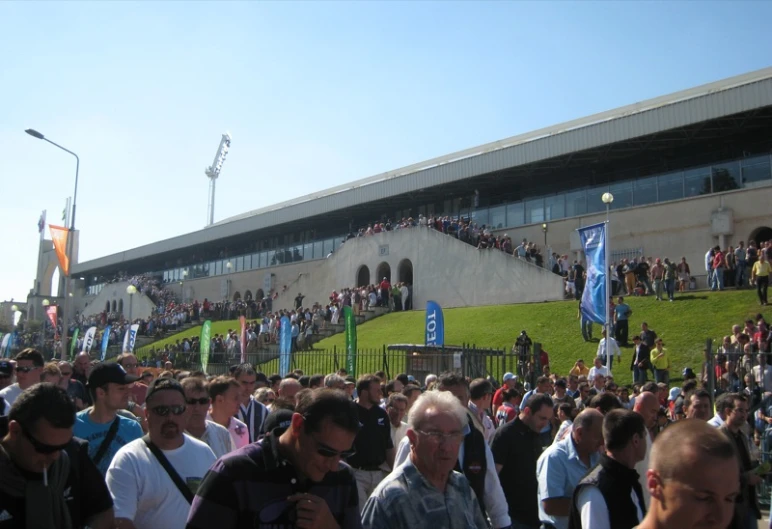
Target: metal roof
x=703 y=103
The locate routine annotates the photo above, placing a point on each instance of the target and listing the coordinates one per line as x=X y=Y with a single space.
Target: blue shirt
x=560 y=470
x=88 y=430
x=406 y=499
x=621 y=311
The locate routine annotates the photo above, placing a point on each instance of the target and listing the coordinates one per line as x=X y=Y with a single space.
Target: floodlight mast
x=213 y=172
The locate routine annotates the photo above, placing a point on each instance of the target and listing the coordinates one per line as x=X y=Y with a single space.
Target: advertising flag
x=59 y=238
x=594 y=302
x=51 y=312
x=351 y=340
x=132 y=337
x=285 y=345
x=88 y=339
x=73 y=344
x=105 y=341
x=5 y=346
x=435 y=325
x=243 y=339
x=125 y=348
x=206 y=343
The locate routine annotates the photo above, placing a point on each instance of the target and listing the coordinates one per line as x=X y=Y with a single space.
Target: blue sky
x=314 y=94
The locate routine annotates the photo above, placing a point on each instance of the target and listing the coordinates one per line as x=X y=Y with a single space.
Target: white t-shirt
x=218 y=438
x=10 y=394
x=593 y=510
x=602 y=370
x=142 y=490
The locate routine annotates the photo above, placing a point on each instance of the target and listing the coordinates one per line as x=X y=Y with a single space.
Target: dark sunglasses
x=326 y=451
x=202 y=401
x=26 y=369
x=42 y=448
x=163 y=411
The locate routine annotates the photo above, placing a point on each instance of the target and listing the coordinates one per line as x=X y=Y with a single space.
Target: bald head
x=647 y=406
x=588 y=431
x=686 y=444
x=289 y=387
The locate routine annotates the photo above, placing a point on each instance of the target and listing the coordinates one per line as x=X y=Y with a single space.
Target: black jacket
x=641 y=353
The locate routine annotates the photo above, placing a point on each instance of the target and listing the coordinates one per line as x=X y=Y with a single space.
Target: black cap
x=105 y=373
x=280 y=419
x=6 y=368
x=163 y=384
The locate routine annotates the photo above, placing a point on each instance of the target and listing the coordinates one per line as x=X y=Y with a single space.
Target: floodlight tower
x=213 y=171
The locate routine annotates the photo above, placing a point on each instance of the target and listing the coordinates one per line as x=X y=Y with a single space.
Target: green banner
x=351 y=341
x=206 y=342
x=73 y=344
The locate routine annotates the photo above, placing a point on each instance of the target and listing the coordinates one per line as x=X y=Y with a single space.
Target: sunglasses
x=26 y=369
x=43 y=448
x=326 y=451
x=163 y=411
x=201 y=402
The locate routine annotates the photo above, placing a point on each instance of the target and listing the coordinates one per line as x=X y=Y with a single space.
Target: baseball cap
x=508 y=376
x=350 y=380
x=6 y=368
x=688 y=372
x=674 y=392
x=106 y=373
x=163 y=384
x=278 y=419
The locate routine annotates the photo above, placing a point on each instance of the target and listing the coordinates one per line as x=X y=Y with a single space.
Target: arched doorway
x=120 y=306
x=405 y=272
x=247 y=296
x=760 y=235
x=236 y=296
x=363 y=276
x=259 y=295
x=383 y=270
x=107 y=306
x=115 y=306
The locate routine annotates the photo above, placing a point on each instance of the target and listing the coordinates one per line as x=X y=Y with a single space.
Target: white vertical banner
x=88 y=339
x=132 y=333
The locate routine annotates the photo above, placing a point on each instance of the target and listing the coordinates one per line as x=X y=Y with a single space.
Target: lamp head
x=131 y=289
x=544 y=226
x=46 y=303
x=15 y=308
x=607 y=198
x=34 y=133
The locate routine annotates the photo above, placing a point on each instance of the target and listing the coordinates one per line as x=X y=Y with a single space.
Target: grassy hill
x=684 y=325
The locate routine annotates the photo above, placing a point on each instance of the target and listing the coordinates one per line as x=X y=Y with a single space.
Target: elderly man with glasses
x=426 y=485
x=296 y=479
x=153 y=479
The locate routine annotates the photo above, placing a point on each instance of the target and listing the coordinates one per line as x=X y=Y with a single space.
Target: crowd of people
x=103 y=445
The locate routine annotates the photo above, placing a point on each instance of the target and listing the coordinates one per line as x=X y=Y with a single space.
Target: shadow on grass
x=690 y=296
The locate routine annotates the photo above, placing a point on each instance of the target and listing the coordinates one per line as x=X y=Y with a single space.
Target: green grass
x=683 y=325
x=218 y=327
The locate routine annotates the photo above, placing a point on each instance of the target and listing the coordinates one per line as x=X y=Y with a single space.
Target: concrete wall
x=675 y=229
x=141 y=306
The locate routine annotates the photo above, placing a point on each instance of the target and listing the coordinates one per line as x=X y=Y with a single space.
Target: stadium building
x=687 y=171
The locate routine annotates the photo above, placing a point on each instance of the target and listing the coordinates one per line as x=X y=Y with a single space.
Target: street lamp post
x=45 y=304
x=131 y=290
x=544 y=229
x=70 y=231
x=182 y=286
x=607 y=199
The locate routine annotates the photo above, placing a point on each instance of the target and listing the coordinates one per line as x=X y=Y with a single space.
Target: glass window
x=645 y=191
x=166 y=276
x=534 y=211
x=726 y=177
x=623 y=195
x=576 y=203
x=594 y=202
x=270 y=258
x=238 y=264
x=697 y=182
x=756 y=169
x=670 y=186
x=319 y=250
x=555 y=207
x=248 y=262
x=218 y=268
x=481 y=216
x=515 y=214
x=498 y=217
x=308 y=251
x=328 y=246
x=255 y=261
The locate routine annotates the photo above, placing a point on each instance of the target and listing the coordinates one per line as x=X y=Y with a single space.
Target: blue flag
x=435 y=325
x=594 y=302
x=105 y=339
x=285 y=345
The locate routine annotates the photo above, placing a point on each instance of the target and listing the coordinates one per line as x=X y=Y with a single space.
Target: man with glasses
x=130 y=363
x=152 y=479
x=297 y=479
x=251 y=412
x=29 y=365
x=47 y=480
x=215 y=436
x=413 y=494
x=75 y=389
x=101 y=425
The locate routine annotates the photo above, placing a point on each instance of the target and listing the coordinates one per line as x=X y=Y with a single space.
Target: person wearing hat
x=509 y=381
x=660 y=360
x=101 y=425
x=153 y=479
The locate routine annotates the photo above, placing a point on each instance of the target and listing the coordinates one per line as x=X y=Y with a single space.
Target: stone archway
x=363 y=276
x=405 y=272
x=107 y=306
x=248 y=296
x=236 y=296
x=115 y=306
x=760 y=235
x=120 y=306
x=383 y=270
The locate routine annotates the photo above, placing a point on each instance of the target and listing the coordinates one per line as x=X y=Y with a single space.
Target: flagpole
x=608 y=198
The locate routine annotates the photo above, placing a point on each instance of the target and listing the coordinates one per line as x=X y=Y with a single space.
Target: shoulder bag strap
x=107 y=441
x=183 y=488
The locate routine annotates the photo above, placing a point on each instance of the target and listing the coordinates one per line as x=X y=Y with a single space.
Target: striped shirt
x=248 y=489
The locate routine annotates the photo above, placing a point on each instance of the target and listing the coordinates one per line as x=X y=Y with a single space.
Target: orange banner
x=59 y=238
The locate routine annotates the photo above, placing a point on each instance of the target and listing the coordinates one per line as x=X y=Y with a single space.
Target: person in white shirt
x=225 y=395
x=217 y=437
x=29 y=365
x=480 y=397
x=144 y=494
x=608 y=353
x=396 y=407
x=598 y=369
x=762 y=373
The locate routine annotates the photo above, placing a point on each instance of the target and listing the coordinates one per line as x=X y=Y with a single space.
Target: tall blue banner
x=594 y=302
x=105 y=340
x=435 y=325
x=285 y=345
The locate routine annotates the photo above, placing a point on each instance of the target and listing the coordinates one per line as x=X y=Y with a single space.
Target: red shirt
x=498 y=397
